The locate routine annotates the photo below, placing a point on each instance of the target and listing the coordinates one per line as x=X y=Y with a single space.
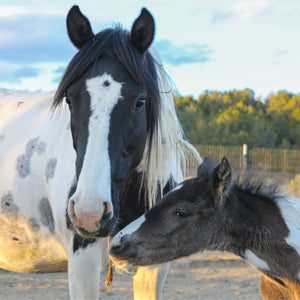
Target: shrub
x=294 y=186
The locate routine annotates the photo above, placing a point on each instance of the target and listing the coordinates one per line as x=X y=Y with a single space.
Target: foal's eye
x=140 y=103
x=182 y=213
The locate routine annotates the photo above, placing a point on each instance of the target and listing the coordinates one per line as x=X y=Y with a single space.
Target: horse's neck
x=133 y=199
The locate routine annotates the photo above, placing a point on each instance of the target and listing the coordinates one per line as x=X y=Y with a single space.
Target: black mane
x=115 y=42
x=258 y=187
x=252 y=212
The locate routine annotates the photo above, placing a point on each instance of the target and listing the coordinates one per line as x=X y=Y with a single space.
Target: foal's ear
x=205 y=168
x=142 y=31
x=221 y=177
x=79 y=27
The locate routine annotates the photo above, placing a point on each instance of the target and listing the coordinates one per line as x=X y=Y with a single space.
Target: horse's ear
x=205 y=168
x=79 y=27
x=221 y=177
x=142 y=31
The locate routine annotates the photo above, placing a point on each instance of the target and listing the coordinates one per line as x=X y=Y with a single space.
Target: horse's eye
x=182 y=213
x=140 y=103
x=68 y=101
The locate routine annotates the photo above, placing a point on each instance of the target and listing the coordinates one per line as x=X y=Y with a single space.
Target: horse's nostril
x=72 y=213
x=107 y=209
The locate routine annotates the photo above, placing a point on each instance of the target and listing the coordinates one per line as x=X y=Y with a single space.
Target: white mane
x=170 y=150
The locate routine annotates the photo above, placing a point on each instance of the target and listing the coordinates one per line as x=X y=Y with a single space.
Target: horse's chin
x=101 y=233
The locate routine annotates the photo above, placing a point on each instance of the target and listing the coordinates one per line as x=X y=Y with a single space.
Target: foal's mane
x=165 y=139
x=257 y=186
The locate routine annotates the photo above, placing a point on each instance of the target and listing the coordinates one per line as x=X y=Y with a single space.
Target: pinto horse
x=214 y=212
x=79 y=168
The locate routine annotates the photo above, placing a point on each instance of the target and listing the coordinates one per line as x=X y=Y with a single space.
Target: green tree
x=236 y=117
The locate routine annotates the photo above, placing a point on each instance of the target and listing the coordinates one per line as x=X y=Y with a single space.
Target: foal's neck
x=258 y=232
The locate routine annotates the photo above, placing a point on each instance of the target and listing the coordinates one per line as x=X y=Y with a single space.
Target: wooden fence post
x=245 y=157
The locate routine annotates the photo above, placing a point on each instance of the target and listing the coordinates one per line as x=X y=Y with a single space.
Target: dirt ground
x=209 y=276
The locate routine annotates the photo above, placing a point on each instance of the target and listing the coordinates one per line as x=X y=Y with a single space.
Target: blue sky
x=205 y=45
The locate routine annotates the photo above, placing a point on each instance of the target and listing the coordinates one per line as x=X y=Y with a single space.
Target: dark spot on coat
x=7 y=203
x=81 y=242
x=50 y=168
x=31 y=146
x=33 y=223
x=23 y=165
x=46 y=214
x=41 y=148
x=2 y=137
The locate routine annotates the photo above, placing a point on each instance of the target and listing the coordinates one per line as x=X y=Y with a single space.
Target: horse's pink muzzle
x=89 y=220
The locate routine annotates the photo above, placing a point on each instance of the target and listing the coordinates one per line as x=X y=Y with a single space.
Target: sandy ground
x=210 y=276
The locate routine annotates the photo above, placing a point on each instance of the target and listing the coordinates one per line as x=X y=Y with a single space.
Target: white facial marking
x=290 y=210
x=130 y=228
x=94 y=180
x=256 y=261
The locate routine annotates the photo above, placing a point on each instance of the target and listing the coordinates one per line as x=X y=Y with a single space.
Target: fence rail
x=281 y=165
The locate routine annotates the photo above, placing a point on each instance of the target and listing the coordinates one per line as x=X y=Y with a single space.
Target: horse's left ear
x=142 y=31
x=79 y=27
x=205 y=168
x=221 y=177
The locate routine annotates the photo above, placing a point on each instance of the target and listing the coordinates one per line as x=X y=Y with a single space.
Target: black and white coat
x=213 y=211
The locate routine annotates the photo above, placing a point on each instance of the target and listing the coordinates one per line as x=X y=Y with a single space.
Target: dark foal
x=215 y=212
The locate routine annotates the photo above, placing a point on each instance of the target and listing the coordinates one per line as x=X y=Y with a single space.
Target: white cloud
x=249 y=8
x=11 y=11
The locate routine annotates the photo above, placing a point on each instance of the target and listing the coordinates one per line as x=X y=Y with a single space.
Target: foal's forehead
x=188 y=190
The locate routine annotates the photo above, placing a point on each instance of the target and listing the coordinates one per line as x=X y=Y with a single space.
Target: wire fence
x=280 y=165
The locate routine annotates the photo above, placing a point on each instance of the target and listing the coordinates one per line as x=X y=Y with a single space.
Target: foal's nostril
x=122 y=248
x=118 y=250
x=115 y=248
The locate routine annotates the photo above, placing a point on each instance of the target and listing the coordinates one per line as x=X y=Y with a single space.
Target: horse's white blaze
x=254 y=260
x=94 y=184
x=290 y=210
x=132 y=227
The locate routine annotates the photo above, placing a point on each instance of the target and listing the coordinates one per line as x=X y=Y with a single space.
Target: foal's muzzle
x=122 y=249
